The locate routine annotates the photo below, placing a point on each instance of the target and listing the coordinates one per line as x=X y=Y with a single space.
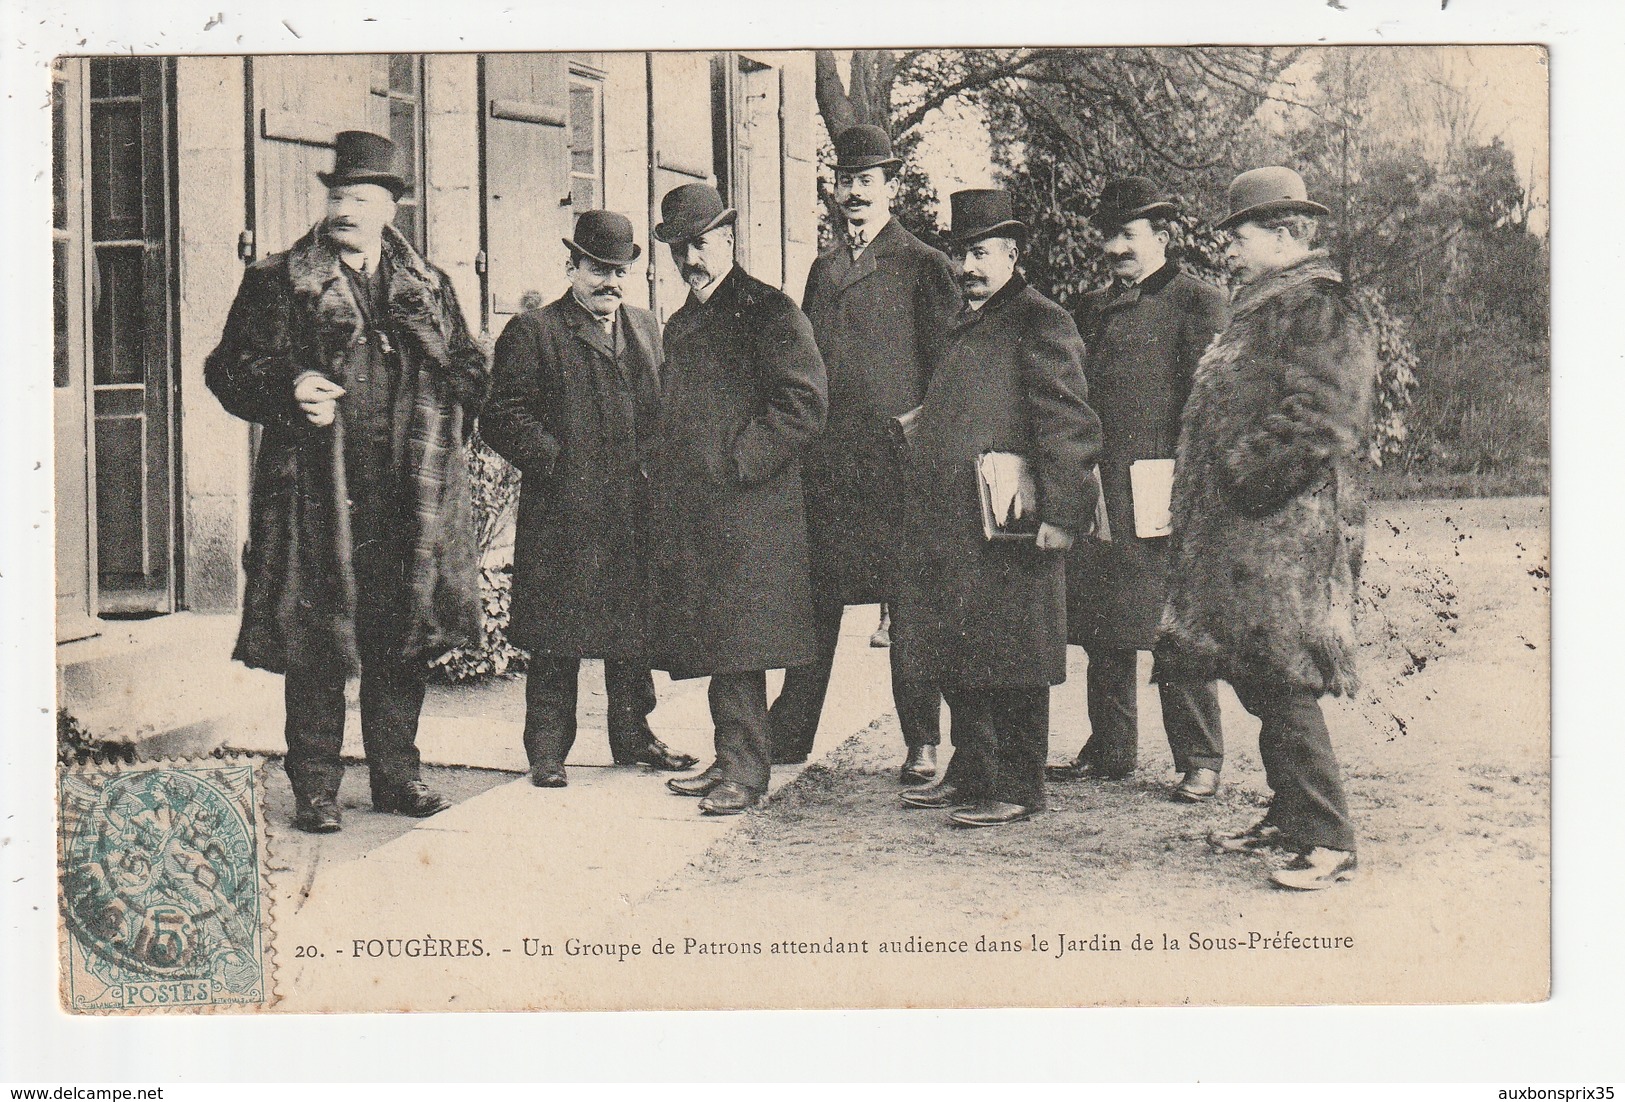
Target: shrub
x=496 y=499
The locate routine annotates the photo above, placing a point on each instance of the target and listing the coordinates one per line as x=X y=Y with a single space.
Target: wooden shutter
x=299 y=103
x=527 y=178
x=680 y=113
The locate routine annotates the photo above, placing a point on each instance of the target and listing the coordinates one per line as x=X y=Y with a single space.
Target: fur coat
x=294 y=313
x=1268 y=521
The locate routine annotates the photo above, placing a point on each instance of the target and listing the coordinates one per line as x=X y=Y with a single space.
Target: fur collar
x=1316 y=266
x=413 y=295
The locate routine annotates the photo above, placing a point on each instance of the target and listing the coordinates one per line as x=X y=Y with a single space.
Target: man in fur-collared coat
x=1268 y=521
x=352 y=353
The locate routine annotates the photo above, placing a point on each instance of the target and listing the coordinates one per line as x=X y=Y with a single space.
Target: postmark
x=162 y=892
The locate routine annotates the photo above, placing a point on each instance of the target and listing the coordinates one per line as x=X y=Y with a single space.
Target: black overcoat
x=881 y=323
x=566 y=408
x=1144 y=342
x=294 y=313
x=743 y=390
x=970 y=612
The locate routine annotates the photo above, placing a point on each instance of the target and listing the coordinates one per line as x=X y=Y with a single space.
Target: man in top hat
x=352 y=353
x=1268 y=523
x=1145 y=332
x=574 y=405
x=743 y=391
x=881 y=302
x=986 y=619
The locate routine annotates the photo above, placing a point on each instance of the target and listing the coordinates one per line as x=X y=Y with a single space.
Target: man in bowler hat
x=351 y=352
x=574 y=405
x=986 y=619
x=743 y=391
x=1145 y=332
x=1268 y=519
x=880 y=302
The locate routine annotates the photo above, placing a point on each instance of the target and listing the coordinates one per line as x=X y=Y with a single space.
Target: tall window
x=586 y=142
x=398 y=79
x=61 y=231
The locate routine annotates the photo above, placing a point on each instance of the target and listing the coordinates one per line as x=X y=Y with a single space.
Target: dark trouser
x=1001 y=737
x=550 y=708
x=391 y=691
x=739 y=714
x=800 y=702
x=1308 y=803
x=1190 y=715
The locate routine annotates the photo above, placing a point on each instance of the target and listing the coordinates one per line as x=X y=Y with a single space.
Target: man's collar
x=1151 y=283
x=596 y=318
x=703 y=294
x=871 y=229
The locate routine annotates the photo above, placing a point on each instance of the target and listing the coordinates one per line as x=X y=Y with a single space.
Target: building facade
x=171 y=174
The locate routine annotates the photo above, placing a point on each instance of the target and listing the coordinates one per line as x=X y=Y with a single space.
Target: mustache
x=854 y=201
x=608 y=292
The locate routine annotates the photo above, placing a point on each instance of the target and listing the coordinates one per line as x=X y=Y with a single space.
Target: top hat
x=1262 y=192
x=983 y=212
x=360 y=157
x=689 y=210
x=1124 y=200
x=605 y=236
x=864 y=146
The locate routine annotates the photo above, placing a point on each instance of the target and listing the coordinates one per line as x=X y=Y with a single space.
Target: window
x=61 y=232
x=586 y=142
x=398 y=79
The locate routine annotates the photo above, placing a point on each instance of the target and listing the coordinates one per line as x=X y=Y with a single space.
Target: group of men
x=707 y=500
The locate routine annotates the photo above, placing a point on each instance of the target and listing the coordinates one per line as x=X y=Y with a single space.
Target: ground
x=1446 y=751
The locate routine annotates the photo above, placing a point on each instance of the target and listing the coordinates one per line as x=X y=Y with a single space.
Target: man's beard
x=696 y=275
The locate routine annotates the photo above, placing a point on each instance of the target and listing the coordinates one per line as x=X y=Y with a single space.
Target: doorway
x=133 y=345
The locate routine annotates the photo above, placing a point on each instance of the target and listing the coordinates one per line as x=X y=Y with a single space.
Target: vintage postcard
x=485 y=580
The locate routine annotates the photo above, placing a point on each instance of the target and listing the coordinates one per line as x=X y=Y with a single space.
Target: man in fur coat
x=351 y=352
x=1267 y=519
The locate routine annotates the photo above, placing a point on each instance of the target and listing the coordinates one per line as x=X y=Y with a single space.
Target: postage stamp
x=162 y=892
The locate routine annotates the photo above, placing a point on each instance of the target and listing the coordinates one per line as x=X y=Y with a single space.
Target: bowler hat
x=1263 y=192
x=605 y=236
x=689 y=210
x=863 y=146
x=1124 y=200
x=983 y=212
x=360 y=157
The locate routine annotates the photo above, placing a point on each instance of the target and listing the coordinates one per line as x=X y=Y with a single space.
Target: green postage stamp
x=162 y=889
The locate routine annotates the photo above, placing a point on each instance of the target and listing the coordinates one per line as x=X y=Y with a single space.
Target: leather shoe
x=730 y=798
x=921 y=765
x=989 y=813
x=413 y=798
x=1259 y=837
x=657 y=755
x=700 y=784
x=1317 y=869
x=1198 y=786
x=318 y=816
x=549 y=776
x=932 y=796
x=1081 y=771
